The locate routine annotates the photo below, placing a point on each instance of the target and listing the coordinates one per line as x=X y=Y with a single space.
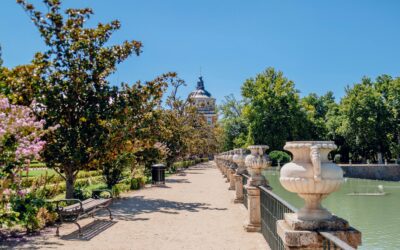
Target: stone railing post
x=231 y=179
x=225 y=165
x=232 y=170
x=253 y=224
x=255 y=162
x=320 y=178
x=238 y=188
x=241 y=169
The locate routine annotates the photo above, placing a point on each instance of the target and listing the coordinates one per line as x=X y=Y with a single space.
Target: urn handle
x=316 y=162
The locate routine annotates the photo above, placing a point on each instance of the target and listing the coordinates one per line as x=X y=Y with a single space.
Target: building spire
x=200 y=83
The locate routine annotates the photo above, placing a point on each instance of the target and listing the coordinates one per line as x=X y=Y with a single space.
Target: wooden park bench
x=79 y=209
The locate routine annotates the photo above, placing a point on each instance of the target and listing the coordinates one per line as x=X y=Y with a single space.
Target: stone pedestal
x=232 y=179
x=238 y=188
x=299 y=234
x=224 y=171
x=228 y=175
x=253 y=207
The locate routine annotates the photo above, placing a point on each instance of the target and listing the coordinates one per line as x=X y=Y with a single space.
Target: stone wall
x=390 y=172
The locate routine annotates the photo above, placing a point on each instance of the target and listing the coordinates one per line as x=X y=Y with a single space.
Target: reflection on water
x=376 y=216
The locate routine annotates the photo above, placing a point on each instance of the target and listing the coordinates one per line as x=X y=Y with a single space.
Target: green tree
x=390 y=89
x=366 y=121
x=316 y=108
x=20 y=84
x=233 y=124
x=74 y=88
x=184 y=132
x=133 y=130
x=273 y=110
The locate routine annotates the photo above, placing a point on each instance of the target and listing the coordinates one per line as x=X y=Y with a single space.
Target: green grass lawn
x=33 y=173
x=36 y=164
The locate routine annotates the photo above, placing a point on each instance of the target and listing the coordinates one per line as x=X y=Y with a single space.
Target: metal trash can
x=158 y=174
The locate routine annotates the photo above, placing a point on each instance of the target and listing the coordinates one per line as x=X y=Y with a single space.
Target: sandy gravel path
x=194 y=211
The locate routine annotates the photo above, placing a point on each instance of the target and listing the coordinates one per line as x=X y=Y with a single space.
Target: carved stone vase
x=239 y=158
x=312 y=176
x=255 y=163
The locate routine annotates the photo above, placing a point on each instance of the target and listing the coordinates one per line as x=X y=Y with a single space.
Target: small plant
x=134 y=185
x=82 y=192
x=119 y=188
x=46 y=217
x=115 y=191
x=142 y=181
x=279 y=156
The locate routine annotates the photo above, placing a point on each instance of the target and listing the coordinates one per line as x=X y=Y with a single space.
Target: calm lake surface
x=377 y=217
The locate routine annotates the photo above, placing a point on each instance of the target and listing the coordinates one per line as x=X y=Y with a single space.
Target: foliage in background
x=234 y=133
x=184 y=132
x=364 y=124
x=279 y=156
x=366 y=121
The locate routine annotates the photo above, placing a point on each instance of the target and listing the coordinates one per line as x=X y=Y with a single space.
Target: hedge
x=58 y=188
x=188 y=163
x=55 y=178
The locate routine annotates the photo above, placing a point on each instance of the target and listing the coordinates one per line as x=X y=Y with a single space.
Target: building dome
x=200 y=91
x=204 y=103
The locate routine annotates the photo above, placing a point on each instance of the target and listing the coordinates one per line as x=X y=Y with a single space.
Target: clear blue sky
x=320 y=45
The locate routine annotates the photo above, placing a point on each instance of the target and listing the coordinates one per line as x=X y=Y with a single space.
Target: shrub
x=82 y=192
x=142 y=181
x=115 y=191
x=113 y=170
x=134 y=185
x=119 y=188
x=53 y=179
x=46 y=217
x=281 y=156
x=32 y=211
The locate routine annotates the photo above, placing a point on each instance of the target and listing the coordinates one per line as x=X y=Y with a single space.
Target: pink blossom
x=7 y=192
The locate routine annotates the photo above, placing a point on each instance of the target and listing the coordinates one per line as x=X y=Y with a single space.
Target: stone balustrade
x=317 y=177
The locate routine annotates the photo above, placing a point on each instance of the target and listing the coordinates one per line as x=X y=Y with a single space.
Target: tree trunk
x=380 y=158
x=70 y=181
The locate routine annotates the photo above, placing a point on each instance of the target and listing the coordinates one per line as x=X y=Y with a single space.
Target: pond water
x=377 y=217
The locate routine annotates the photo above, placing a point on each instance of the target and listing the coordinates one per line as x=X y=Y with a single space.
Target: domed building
x=204 y=102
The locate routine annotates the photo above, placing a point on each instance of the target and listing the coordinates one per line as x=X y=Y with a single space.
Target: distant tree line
x=365 y=123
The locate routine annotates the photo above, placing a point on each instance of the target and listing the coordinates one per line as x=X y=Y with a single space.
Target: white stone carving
x=312 y=176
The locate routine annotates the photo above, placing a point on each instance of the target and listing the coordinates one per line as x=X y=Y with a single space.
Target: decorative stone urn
x=312 y=176
x=239 y=158
x=255 y=163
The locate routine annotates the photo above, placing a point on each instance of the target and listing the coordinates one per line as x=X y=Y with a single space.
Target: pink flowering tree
x=20 y=142
x=20 y=138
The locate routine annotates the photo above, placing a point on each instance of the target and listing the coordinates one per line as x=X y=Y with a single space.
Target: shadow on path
x=170 y=180
x=90 y=230
x=127 y=208
x=29 y=242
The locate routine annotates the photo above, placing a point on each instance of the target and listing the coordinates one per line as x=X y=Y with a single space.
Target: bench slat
x=86 y=204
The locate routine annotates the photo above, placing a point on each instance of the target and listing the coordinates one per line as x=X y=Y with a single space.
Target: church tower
x=204 y=102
